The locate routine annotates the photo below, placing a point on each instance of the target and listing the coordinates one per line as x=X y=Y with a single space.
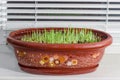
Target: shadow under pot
x=46 y=58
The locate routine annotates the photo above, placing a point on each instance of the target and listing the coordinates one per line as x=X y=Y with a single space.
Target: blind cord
x=35 y=13
x=107 y=12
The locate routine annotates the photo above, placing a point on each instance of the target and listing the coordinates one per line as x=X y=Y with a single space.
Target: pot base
x=58 y=71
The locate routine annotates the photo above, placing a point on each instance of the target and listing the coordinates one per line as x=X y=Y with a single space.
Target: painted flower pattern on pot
x=49 y=60
x=57 y=60
x=21 y=53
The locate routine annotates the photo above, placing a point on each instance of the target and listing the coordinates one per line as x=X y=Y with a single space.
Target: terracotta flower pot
x=42 y=58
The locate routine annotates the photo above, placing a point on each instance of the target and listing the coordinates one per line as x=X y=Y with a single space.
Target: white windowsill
x=109 y=69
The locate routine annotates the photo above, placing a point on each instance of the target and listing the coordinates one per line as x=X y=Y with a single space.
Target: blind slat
x=54 y=14
x=55 y=2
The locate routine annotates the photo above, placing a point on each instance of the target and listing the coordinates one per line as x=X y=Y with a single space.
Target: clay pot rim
x=48 y=46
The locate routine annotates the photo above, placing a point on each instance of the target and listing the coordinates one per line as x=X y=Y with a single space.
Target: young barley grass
x=62 y=36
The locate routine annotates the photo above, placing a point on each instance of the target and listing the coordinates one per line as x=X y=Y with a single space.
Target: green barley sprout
x=66 y=36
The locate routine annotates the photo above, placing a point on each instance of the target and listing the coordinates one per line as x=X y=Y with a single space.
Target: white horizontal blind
x=52 y=13
x=25 y=14
x=113 y=26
